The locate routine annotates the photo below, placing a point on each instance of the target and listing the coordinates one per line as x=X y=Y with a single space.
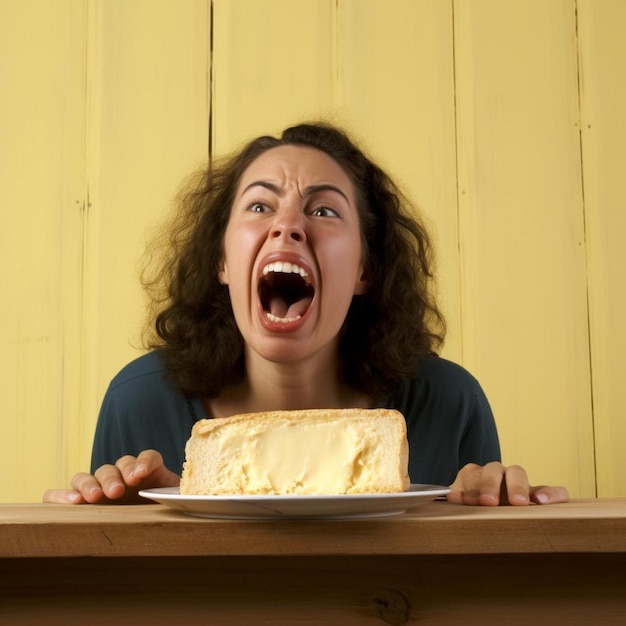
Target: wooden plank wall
x=500 y=119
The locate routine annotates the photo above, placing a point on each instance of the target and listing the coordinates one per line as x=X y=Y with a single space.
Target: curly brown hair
x=386 y=330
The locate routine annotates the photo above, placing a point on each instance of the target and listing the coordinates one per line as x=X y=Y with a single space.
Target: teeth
x=282 y=320
x=280 y=267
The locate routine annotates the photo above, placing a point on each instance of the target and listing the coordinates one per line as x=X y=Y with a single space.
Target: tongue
x=280 y=308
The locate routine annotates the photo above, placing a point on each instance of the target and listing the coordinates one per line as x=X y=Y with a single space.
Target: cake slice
x=319 y=451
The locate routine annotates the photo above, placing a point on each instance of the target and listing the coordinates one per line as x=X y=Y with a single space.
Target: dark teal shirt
x=449 y=420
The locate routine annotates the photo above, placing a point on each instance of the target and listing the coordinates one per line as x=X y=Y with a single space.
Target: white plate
x=293 y=507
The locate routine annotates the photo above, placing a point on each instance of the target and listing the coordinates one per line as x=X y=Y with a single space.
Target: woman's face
x=292 y=253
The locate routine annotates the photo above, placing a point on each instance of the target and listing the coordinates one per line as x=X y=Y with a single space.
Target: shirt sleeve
x=142 y=411
x=449 y=422
x=479 y=441
x=108 y=442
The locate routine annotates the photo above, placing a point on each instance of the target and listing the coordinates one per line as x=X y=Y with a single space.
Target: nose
x=289 y=225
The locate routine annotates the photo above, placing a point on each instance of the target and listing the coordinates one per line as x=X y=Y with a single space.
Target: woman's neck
x=271 y=386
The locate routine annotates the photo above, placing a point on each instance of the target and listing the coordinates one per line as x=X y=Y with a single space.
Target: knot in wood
x=391 y=606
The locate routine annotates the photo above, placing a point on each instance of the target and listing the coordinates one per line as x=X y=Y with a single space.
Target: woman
x=296 y=279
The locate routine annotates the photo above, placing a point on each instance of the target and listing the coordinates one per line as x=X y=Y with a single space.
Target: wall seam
x=588 y=313
x=210 y=79
x=458 y=190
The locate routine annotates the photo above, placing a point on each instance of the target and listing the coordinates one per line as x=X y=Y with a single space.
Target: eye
x=324 y=211
x=258 y=207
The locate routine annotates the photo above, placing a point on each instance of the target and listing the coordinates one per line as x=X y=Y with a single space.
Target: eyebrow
x=310 y=190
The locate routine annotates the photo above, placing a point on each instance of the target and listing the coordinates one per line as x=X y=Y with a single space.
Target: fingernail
x=490 y=499
x=139 y=469
x=518 y=499
x=541 y=498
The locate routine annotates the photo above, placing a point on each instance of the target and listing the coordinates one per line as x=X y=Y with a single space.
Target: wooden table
x=438 y=564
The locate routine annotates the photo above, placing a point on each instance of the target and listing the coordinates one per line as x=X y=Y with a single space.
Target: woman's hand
x=493 y=484
x=119 y=483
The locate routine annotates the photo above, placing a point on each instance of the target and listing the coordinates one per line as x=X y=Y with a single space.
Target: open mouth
x=285 y=291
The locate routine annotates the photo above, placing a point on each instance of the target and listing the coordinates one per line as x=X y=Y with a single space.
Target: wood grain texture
x=99 y=122
x=603 y=136
x=42 y=214
x=525 y=330
x=272 y=66
x=440 y=564
x=435 y=528
x=396 y=73
x=147 y=130
x=521 y=589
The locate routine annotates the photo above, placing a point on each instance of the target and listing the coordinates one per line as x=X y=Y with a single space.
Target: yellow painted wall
x=501 y=119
